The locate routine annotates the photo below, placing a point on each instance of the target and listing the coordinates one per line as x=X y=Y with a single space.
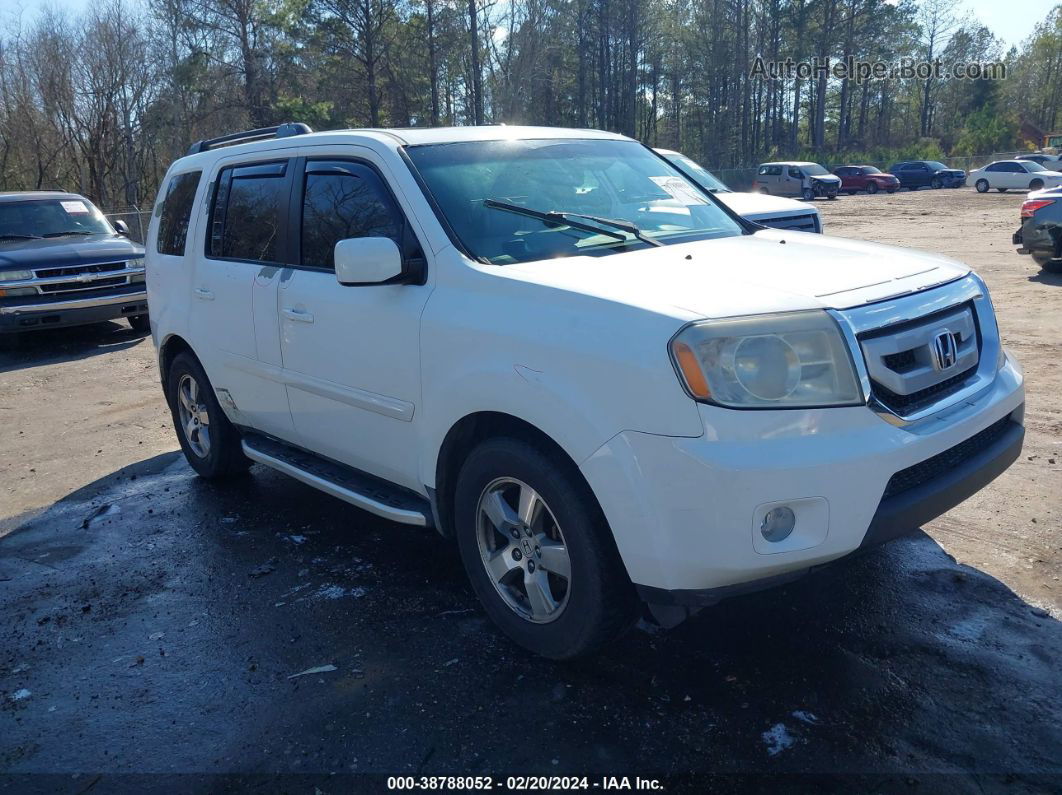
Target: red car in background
x=868 y=178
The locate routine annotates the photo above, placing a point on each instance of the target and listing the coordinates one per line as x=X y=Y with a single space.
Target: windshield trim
x=746 y=226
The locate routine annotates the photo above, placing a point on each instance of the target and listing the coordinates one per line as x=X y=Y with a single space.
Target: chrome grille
x=907 y=368
x=801 y=223
x=79 y=278
x=896 y=343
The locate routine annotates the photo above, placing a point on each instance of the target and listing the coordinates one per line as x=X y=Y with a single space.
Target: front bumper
x=686 y=513
x=71 y=312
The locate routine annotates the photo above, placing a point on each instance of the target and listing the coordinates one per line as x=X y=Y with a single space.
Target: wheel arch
x=468 y=432
x=170 y=348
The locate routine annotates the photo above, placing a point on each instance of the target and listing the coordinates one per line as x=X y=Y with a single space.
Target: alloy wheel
x=195 y=419
x=522 y=548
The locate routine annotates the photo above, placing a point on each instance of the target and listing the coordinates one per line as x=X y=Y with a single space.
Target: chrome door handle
x=204 y=294
x=297 y=315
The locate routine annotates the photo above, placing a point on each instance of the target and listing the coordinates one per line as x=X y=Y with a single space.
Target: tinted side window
x=174 y=212
x=795 y=173
x=340 y=201
x=249 y=212
x=993 y=167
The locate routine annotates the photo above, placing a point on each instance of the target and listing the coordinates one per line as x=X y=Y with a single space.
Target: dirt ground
x=153 y=623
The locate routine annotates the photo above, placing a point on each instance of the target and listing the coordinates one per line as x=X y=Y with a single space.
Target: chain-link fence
x=741 y=179
x=135 y=218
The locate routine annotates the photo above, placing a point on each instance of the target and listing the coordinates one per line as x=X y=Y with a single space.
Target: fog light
x=778 y=523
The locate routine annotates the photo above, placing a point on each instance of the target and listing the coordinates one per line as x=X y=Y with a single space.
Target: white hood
x=750 y=274
x=752 y=205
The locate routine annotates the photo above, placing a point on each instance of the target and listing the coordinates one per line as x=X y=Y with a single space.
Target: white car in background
x=772 y=211
x=1017 y=174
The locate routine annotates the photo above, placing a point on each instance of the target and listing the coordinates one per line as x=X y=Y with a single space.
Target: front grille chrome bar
x=875 y=320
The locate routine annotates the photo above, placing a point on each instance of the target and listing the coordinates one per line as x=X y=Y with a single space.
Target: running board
x=348 y=484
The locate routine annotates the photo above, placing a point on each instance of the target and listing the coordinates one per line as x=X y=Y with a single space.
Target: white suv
x=550 y=346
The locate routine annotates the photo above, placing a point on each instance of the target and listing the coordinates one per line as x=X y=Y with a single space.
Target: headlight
x=15 y=276
x=792 y=360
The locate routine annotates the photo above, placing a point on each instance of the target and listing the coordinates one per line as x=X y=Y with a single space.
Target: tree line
x=104 y=101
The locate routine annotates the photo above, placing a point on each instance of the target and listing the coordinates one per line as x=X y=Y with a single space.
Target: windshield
x=871 y=170
x=613 y=181
x=1033 y=166
x=933 y=164
x=815 y=170
x=51 y=218
x=698 y=173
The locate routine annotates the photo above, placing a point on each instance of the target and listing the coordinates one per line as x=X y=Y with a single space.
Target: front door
x=351 y=354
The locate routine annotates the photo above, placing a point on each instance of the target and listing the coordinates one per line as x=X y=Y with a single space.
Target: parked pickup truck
x=552 y=347
x=63 y=264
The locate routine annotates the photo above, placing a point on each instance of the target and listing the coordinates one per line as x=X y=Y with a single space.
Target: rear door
x=233 y=314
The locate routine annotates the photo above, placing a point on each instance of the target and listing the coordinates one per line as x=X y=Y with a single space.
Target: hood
x=827 y=178
x=59 y=251
x=761 y=204
x=750 y=274
x=883 y=175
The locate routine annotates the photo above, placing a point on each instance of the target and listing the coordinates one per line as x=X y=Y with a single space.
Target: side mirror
x=367 y=260
x=121 y=227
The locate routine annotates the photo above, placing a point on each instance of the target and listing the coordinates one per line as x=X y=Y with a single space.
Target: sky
x=1011 y=21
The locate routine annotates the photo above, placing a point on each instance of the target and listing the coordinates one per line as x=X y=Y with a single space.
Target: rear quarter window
x=174 y=212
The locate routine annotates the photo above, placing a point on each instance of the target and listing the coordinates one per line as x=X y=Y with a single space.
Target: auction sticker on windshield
x=75 y=208
x=680 y=190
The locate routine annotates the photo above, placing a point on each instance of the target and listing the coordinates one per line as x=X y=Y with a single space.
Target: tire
x=831 y=196
x=570 y=617
x=872 y=188
x=1002 y=190
x=935 y=183
x=212 y=446
x=808 y=194
x=141 y=323
x=851 y=193
x=1036 y=184
x=1052 y=266
x=765 y=192
x=981 y=186
x=891 y=190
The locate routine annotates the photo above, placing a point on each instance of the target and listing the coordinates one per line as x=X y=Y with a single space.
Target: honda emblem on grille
x=945 y=351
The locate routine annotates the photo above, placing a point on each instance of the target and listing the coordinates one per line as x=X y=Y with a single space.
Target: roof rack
x=281 y=131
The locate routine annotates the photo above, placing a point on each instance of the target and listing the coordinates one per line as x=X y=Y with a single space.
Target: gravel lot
x=151 y=622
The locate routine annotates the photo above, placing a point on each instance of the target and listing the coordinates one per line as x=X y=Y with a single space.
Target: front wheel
x=210 y=443
x=872 y=188
x=808 y=194
x=935 y=183
x=538 y=551
x=1036 y=184
x=981 y=186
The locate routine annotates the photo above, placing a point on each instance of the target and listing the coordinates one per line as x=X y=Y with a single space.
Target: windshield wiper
x=565 y=218
x=70 y=232
x=20 y=237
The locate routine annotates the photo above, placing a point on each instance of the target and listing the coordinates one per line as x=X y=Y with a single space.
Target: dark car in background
x=1040 y=234
x=63 y=264
x=914 y=174
x=868 y=178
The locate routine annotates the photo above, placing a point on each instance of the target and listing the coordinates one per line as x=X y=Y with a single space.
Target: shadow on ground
x=36 y=348
x=153 y=622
